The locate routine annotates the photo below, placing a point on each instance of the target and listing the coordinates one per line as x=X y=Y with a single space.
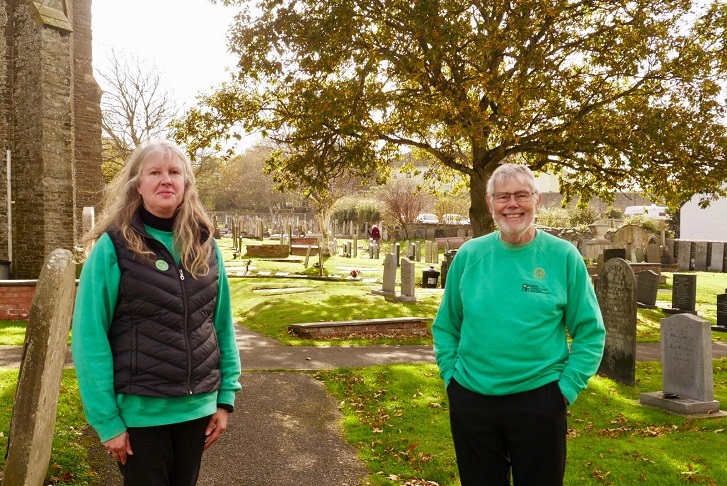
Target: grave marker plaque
x=647 y=286
x=684 y=292
x=717 y=261
x=616 y=293
x=722 y=311
x=700 y=256
x=684 y=255
x=686 y=358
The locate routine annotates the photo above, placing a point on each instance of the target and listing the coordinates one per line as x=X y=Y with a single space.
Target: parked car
x=427 y=218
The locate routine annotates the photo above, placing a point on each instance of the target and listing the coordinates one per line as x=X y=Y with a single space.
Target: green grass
x=397 y=418
x=69 y=456
x=12 y=333
x=264 y=305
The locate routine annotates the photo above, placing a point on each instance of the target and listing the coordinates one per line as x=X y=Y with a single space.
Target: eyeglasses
x=520 y=196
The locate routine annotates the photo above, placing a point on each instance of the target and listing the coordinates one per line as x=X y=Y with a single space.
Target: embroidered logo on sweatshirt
x=535 y=289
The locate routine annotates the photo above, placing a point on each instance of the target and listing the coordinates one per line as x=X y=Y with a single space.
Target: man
x=501 y=346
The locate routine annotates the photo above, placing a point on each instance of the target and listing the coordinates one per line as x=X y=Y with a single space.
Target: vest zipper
x=186 y=331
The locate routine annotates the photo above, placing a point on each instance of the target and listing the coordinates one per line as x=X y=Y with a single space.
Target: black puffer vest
x=162 y=335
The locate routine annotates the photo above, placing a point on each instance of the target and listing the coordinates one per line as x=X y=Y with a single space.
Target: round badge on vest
x=162 y=265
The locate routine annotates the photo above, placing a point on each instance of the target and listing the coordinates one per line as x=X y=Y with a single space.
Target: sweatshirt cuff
x=110 y=428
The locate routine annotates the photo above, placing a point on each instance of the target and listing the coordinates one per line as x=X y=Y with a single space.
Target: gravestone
x=397 y=253
x=609 y=253
x=717 y=261
x=355 y=245
x=686 y=360
x=388 y=287
x=700 y=256
x=427 y=252
x=616 y=293
x=647 y=286
x=684 y=255
x=435 y=252
x=683 y=294
x=307 y=256
x=36 y=400
x=721 y=312
x=653 y=253
x=408 y=269
x=443 y=272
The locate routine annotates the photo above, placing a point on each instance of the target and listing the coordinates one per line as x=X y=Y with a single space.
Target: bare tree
x=402 y=199
x=135 y=105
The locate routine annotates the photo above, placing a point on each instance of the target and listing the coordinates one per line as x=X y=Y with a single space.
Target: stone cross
x=616 y=293
x=36 y=400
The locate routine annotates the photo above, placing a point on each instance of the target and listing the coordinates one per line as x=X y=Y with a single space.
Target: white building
x=708 y=224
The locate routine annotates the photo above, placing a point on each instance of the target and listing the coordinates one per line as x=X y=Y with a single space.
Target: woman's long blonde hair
x=193 y=231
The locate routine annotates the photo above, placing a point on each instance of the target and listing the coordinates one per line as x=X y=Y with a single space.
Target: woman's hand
x=215 y=427
x=119 y=447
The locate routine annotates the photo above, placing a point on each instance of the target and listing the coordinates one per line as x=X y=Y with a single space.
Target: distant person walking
x=375 y=234
x=153 y=337
x=501 y=344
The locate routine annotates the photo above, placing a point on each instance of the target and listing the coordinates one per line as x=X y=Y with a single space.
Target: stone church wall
x=51 y=125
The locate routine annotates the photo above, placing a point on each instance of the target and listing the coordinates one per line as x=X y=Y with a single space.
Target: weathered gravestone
x=700 y=256
x=683 y=294
x=684 y=254
x=408 y=274
x=616 y=293
x=647 y=286
x=36 y=400
x=653 y=252
x=717 y=258
x=721 y=312
x=388 y=287
x=686 y=359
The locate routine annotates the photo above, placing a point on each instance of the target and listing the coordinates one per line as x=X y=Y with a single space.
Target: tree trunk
x=480 y=217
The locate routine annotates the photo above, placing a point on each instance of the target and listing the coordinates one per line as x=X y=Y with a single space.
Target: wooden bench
x=399 y=326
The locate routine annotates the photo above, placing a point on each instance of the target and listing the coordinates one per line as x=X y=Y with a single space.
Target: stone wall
x=51 y=125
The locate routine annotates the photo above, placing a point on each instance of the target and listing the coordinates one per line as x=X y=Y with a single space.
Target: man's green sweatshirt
x=501 y=326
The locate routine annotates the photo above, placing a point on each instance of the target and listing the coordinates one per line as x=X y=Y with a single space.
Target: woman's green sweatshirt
x=110 y=413
x=501 y=326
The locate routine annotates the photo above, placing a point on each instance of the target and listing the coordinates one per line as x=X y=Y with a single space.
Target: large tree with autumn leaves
x=608 y=94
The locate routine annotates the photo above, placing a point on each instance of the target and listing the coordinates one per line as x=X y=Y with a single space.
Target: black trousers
x=165 y=455
x=523 y=434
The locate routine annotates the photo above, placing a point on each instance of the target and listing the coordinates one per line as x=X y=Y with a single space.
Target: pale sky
x=184 y=39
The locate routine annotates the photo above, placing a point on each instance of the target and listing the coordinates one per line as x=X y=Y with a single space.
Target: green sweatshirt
x=501 y=326
x=108 y=413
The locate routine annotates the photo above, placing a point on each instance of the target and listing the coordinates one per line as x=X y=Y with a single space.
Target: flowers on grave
x=354 y=273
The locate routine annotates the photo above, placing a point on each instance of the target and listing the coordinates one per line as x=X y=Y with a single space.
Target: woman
x=153 y=338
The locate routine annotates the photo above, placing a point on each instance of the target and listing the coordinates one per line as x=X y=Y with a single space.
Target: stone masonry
x=50 y=125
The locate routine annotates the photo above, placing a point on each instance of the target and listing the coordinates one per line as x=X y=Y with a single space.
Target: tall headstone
x=427 y=252
x=700 y=256
x=683 y=293
x=408 y=275
x=435 y=252
x=717 y=258
x=36 y=400
x=647 y=286
x=684 y=255
x=721 y=312
x=653 y=253
x=616 y=293
x=388 y=287
x=397 y=253
x=686 y=360
x=355 y=245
